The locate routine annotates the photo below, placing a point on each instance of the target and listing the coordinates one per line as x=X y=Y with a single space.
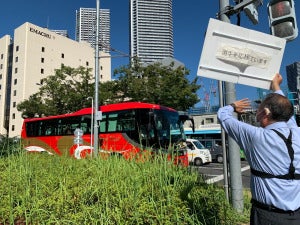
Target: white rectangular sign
x=239 y=55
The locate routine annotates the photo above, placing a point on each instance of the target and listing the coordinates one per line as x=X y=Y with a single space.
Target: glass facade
x=86 y=27
x=151 y=30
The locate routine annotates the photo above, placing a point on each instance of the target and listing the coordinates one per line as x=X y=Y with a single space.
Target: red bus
x=125 y=129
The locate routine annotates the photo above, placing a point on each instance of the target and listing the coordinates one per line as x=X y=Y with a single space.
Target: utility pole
x=236 y=186
x=97 y=114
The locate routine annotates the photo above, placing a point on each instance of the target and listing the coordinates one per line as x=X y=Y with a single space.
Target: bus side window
x=85 y=124
x=49 y=131
x=112 y=122
x=102 y=125
x=68 y=130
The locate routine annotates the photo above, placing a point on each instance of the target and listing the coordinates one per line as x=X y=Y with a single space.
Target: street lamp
x=92 y=119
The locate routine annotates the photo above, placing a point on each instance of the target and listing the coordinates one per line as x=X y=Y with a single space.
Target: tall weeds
x=44 y=189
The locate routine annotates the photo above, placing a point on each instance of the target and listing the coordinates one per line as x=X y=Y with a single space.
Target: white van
x=197 y=153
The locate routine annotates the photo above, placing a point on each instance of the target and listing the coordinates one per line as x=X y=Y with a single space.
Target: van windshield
x=198 y=144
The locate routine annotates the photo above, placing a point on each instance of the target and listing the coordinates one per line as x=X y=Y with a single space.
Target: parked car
x=217 y=154
x=197 y=153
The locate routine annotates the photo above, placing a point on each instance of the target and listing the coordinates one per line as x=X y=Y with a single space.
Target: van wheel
x=198 y=162
x=219 y=158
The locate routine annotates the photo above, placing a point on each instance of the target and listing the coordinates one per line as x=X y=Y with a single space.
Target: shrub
x=44 y=189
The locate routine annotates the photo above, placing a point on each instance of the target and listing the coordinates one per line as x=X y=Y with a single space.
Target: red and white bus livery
x=125 y=128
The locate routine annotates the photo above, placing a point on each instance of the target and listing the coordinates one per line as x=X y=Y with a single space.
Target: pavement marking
x=221 y=177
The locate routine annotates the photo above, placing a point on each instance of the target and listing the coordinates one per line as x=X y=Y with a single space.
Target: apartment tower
x=293 y=81
x=86 y=27
x=151 y=30
x=293 y=76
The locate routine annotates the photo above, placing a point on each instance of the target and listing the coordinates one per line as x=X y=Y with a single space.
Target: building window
x=15 y=81
x=16 y=59
x=13 y=116
x=1 y=66
x=15 y=92
x=42 y=71
x=87 y=63
x=1 y=56
x=13 y=128
x=17 y=48
x=63 y=55
x=209 y=120
x=42 y=60
x=0 y=86
x=14 y=104
x=43 y=49
x=101 y=68
x=16 y=70
x=0 y=76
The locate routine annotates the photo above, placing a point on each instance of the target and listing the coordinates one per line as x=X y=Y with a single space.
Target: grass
x=43 y=189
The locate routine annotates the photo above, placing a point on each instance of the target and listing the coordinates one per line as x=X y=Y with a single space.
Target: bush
x=9 y=146
x=209 y=204
x=43 y=189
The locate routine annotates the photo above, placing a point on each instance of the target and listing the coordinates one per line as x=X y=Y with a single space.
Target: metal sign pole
x=233 y=148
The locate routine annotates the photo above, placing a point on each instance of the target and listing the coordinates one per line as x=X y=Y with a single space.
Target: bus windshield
x=169 y=128
x=158 y=129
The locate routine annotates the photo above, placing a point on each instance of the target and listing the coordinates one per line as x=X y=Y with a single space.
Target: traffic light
x=282 y=19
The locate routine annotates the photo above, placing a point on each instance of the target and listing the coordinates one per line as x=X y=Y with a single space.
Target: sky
x=190 y=20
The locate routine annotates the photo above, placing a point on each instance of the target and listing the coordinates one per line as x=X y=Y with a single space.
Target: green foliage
x=43 y=189
x=155 y=83
x=9 y=146
x=210 y=204
x=66 y=91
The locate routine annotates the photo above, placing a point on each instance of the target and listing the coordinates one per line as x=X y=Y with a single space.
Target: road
x=213 y=173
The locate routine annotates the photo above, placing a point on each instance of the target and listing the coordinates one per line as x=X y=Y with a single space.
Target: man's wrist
x=233 y=106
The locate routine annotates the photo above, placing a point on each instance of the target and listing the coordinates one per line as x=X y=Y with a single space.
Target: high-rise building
x=151 y=30
x=293 y=81
x=293 y=76
x=33 y=54
x=86 y=27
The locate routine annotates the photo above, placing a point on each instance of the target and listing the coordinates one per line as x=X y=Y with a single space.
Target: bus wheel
x=198 y=162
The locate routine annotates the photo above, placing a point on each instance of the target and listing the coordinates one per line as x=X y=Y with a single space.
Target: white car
x=197 y=153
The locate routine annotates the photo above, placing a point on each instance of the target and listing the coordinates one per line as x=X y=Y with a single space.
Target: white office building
x=33 y=54
x=86 y=27
x=151 y=30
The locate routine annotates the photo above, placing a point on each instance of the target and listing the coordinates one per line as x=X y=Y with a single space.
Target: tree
x=66 y=91
x=155 y=83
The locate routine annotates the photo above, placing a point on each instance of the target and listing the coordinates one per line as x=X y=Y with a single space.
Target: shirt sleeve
x=241 y=132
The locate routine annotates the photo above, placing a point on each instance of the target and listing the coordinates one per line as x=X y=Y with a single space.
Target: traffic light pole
x=236 y=187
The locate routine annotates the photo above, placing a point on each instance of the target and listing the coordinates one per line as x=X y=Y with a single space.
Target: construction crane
x=208 y=96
